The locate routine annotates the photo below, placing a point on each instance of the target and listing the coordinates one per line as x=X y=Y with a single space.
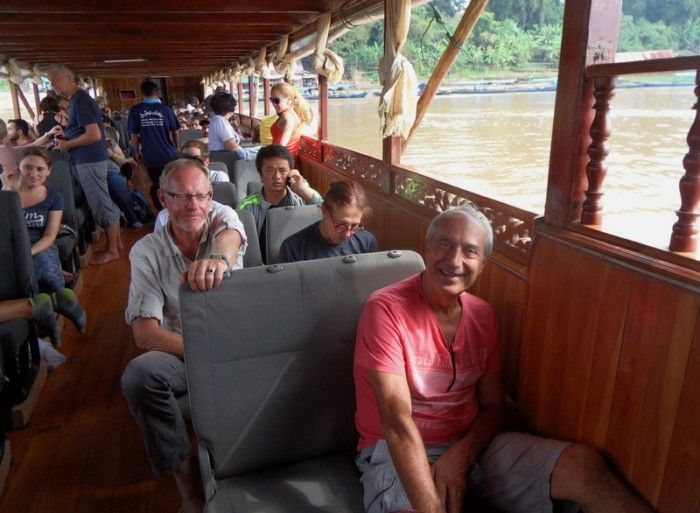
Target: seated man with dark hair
x=18 y=132
x=222 y=135
x=282 y=186
x=430 y=401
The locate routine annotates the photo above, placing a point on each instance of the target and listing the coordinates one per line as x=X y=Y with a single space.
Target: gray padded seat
x=188 y=134
x=244 y=173
x=225 y=193
x=253 y=256
x=284 y=222
x=218 y=166
x=60 y=179
x=269 y=358
x=227 y=157
x=20 y=351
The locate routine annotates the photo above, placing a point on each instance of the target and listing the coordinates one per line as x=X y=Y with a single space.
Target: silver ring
x=210 y=271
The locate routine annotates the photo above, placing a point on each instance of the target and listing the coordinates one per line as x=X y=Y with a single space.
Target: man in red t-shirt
x=430 y=401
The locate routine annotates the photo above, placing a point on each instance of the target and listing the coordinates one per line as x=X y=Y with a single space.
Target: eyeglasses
x=275 y=100
x=344 y=227
x=186 y=198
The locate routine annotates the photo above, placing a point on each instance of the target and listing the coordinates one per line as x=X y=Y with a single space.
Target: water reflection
x=498 y=145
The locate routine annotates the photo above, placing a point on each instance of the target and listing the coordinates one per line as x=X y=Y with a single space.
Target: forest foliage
x=518 y=35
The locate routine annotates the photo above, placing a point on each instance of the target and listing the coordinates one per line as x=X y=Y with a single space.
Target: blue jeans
x=119 y=192
x=47 y=269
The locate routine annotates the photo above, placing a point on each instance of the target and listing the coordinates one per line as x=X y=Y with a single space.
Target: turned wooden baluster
x=597 y=151
x=685 y=231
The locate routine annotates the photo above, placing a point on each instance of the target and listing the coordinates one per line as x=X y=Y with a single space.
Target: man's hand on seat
x=450 y=473
x=205 y=274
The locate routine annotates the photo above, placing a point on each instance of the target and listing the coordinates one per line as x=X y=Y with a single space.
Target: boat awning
x=162 y=38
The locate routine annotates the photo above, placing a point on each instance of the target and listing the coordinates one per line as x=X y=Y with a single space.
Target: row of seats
x=19 y=348
x=269 y=372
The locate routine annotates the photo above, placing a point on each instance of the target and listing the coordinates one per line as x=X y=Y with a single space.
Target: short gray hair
x=60 y=68
x=470 y=213
x=174 y=165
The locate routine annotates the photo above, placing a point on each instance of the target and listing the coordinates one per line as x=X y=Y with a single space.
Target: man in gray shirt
x=198 y=245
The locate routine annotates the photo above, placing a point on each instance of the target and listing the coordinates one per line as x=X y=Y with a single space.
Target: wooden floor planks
x=81 y=451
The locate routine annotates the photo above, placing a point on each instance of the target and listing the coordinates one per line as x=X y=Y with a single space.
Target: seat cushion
x=327 y=484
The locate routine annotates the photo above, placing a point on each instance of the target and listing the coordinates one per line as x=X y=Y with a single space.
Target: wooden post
x=391 y=150
x=240 y=96
x=15 y=101
x=322 y=108
x=590 y=33
x=466 y=24
x=266 y=96
x=252 y=96
x=685 y=231
x=37 y=100
x=596 y=169
x=21 y=96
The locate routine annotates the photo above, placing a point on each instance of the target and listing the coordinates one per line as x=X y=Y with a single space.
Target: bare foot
x=102 y=257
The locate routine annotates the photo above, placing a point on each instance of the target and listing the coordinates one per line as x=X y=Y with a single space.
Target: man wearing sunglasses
x=198 y=246
x=282 y=186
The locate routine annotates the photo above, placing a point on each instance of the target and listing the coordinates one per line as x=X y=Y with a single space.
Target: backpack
x=141 y=208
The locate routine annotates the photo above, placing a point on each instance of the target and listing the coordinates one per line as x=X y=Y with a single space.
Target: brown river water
x=497 y=145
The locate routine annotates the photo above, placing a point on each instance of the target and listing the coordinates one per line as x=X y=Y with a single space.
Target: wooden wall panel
x=609 y=356
x=682 y=472
x=658 y=335
x=176 y=88
x=399 y=226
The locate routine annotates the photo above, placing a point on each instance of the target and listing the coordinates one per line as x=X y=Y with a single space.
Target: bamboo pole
x=21 y=96
x=466 y=24
x=15 y=102
x=37 y=100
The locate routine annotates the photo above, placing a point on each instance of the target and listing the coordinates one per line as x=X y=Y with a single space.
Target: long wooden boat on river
x=600 y=334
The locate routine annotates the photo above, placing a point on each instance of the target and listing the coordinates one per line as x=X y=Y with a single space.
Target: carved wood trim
x=685 y=231
x=598 y=150
x=512 y=227
x=371 y=172
x=311 y=148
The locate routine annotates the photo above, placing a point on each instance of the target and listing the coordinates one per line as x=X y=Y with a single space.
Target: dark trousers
x=154 y=174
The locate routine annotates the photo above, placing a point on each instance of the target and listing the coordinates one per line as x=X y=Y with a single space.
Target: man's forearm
x=151 y=336
x=412 y=466
x=227 y=243
x=487 y=424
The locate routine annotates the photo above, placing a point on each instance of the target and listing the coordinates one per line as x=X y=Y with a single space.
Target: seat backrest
x=227 y=157
x=244 y=172
x=187 y=134
x=61 y=180
x=218 y=166
x=269 y=357
x=16 y=272
x=225 y=193
x=281 y=223
x=253 y=255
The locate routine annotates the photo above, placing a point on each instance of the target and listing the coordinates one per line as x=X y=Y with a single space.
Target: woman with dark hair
x=222 y=135
x=43 y=209
x=50 y=116
x=339 y=232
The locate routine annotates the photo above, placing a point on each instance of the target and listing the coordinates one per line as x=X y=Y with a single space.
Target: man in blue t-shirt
x=84 y=139
x=154 y=125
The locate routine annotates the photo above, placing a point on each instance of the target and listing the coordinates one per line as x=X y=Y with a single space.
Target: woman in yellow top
x=293 y=112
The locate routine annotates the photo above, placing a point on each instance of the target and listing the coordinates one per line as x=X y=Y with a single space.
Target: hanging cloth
x=326 y=62
x=397 y=103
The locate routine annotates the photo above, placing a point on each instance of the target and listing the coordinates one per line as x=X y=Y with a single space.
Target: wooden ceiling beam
x=204 y=19
x=158 y=6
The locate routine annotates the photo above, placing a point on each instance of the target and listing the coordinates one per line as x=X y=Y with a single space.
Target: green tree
x=528 y=13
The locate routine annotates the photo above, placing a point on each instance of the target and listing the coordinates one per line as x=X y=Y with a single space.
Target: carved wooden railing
x=684 y=236
x=512 y=227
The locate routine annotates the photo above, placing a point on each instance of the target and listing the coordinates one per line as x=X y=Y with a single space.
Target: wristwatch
x=220 y=257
